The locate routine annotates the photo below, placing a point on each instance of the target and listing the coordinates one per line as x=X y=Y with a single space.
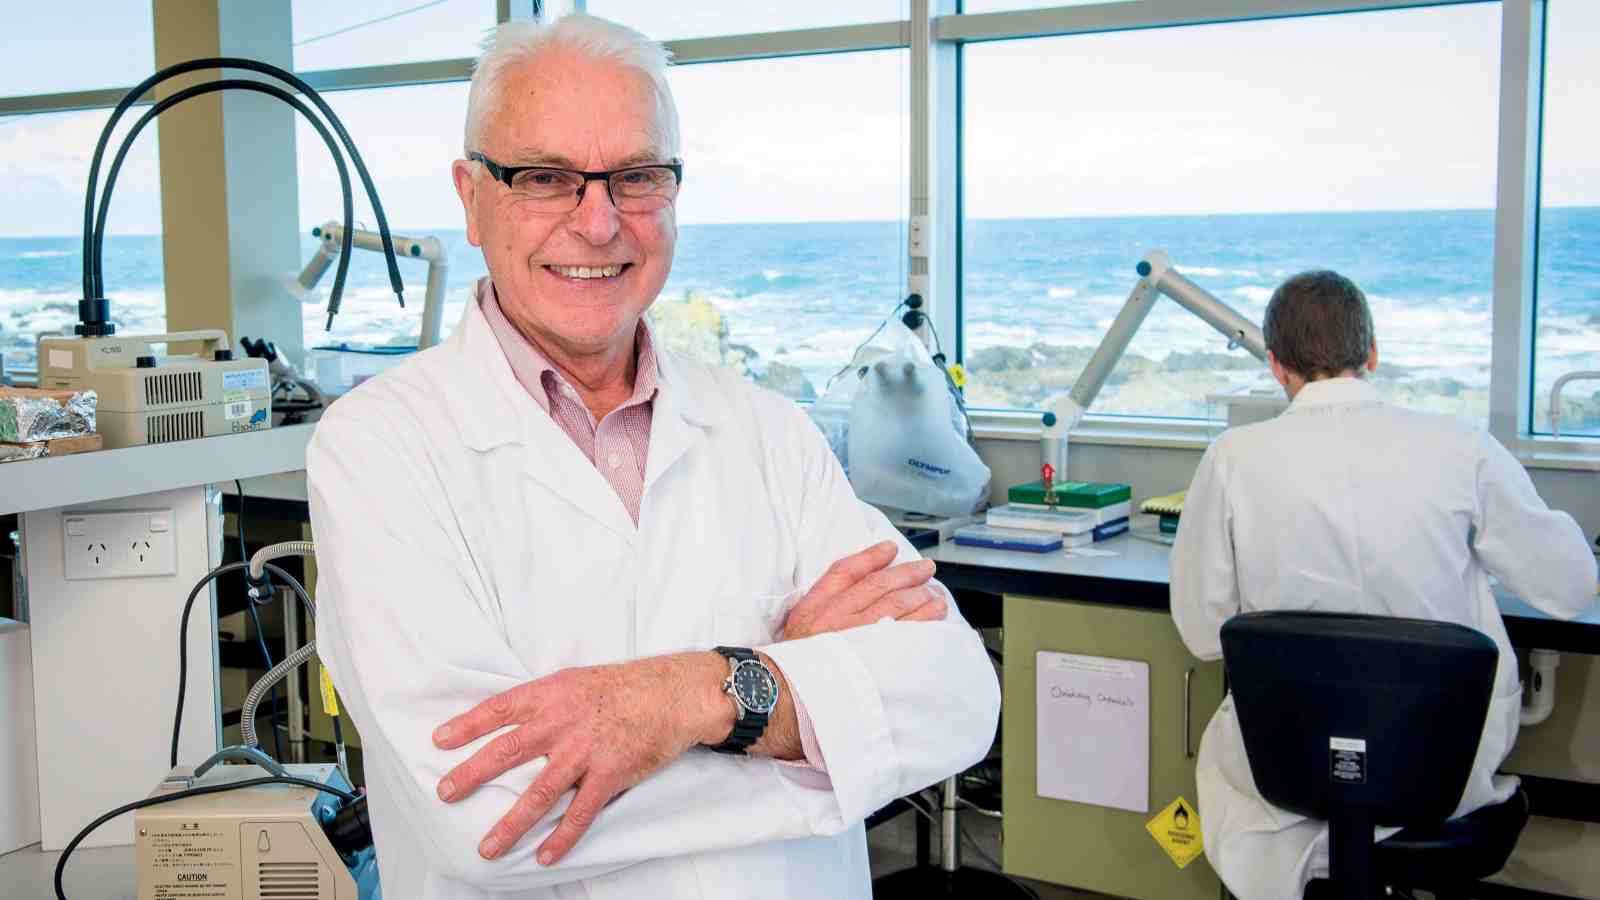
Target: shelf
x=130 y=471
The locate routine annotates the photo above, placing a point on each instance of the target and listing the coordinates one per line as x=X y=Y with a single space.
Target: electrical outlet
x=119 y=544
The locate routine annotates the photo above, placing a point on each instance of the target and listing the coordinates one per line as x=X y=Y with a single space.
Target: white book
x=1061 y=520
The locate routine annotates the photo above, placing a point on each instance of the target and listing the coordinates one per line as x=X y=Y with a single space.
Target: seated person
x=1347 y=504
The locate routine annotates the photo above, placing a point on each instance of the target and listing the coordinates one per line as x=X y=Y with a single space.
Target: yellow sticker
x=958 y=375
x=330 y=700
x=1177 y=830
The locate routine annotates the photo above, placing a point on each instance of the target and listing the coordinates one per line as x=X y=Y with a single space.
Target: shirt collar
x=537 y=375
x=1335 y=392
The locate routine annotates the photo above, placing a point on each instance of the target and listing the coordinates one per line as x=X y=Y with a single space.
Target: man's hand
x=604 y=730
x=861 y=589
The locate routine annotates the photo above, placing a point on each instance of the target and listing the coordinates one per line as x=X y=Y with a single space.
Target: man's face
x=570 y=111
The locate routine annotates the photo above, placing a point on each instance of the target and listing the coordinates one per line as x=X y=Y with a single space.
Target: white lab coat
x=465 y=546
x=1347 y=504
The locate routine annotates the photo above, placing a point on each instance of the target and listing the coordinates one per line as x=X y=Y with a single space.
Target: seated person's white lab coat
x=1347 y=504
x=466 y=546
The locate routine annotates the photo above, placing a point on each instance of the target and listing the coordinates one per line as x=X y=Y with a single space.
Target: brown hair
x=1318 y=325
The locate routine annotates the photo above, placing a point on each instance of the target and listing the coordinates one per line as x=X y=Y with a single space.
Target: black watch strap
x=748 y=728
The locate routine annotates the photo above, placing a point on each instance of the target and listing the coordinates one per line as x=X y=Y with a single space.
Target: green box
x=1077 y=494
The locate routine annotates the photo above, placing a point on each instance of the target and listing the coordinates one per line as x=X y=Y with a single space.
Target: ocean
x=803 y=296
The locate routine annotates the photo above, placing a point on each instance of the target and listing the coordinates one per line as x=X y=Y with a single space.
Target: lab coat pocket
x=751 y=618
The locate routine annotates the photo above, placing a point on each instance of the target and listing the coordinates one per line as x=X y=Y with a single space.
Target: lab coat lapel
x=494 y=410
x=679 y=418
x=552 y=459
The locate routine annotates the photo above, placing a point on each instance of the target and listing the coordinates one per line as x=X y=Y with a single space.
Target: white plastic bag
x=907 y=440
x=831 y=413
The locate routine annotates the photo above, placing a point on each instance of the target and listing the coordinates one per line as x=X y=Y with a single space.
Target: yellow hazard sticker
x=330 y=700
x=1177 y=830
x=958 y=375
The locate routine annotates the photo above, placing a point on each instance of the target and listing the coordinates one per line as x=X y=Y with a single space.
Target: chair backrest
x=1344 y=711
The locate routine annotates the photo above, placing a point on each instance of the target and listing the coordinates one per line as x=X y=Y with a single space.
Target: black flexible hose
x=93 y=282
x=183 y=630
x=61 y=864
x=222 y=85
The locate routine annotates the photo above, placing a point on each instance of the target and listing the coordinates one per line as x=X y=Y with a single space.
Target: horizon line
x=901 y=221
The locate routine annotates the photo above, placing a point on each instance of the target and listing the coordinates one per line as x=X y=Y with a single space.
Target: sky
x=1387 y=110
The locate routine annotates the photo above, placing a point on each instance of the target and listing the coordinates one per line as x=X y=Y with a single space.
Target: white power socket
x=119 y=544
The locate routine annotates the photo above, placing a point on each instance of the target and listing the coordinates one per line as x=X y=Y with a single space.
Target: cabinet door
x=1094 y=847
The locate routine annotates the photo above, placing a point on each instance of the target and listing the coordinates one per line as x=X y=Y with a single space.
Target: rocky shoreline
x=1025 y=377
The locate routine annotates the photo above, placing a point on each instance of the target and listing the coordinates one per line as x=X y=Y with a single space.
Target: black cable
x=96 y=284
x=339 y=273
x=272 y=706
x=93 y=281
x=183 y=630
x=852 y=359
x=950 y=381
x=61 y=864
x=255 y=619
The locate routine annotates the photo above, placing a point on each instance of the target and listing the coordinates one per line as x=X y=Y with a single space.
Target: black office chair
x=1370 y=720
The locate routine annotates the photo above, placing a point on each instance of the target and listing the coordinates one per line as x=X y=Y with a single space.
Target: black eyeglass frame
x=506 y=174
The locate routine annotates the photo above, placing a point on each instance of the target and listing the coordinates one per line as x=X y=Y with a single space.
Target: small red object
x=1049 y=473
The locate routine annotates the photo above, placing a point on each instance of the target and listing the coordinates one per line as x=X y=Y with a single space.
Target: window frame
x=1516 y=203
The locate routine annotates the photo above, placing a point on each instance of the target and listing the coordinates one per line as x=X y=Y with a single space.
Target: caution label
x=1177 y=830
x=330 y=699
x=189 y=861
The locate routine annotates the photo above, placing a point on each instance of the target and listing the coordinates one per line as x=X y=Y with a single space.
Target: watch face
x=755 y=687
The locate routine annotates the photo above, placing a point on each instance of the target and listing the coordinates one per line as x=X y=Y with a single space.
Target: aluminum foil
x=30 y=415
x=19 y=452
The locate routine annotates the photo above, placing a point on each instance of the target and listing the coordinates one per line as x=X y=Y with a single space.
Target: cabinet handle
x=1188 y=676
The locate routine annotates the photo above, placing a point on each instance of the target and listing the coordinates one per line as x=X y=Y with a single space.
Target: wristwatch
x=754 y=689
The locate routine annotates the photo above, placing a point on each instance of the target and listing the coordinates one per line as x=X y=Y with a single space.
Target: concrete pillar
x=229 y=208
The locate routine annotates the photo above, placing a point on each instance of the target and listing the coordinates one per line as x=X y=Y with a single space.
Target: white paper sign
x=1093 y=717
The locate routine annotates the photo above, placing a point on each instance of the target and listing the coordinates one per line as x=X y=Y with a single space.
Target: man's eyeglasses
x=552 y=190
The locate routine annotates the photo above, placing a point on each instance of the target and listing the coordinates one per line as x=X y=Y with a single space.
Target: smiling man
x=612 y=623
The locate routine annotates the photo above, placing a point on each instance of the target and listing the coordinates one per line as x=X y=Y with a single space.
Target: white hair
x=515 y=43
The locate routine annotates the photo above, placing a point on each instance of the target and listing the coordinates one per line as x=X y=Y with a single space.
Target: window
x=348 y=35
x=410 y=167
x=674 y=21
x=791 y=239
x=1248 y=151
x=44 y=163
x=1567 y=319
x=77 y=45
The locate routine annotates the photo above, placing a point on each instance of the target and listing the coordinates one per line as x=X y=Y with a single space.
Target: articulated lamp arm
x=428 y=248
x=1157 y=277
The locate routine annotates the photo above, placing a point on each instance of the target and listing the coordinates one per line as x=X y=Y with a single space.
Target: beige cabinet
x=1094 y=847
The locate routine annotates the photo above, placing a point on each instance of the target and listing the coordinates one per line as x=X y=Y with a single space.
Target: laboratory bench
x=1137 y=577
x=1113 y=604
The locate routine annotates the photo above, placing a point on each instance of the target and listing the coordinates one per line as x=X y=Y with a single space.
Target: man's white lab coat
x=465 y=546
x=1347 y=504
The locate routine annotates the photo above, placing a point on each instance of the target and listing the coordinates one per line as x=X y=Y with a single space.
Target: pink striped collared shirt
x=617 y=445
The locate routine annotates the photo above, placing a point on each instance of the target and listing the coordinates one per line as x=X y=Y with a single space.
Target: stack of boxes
x=1079 y=512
